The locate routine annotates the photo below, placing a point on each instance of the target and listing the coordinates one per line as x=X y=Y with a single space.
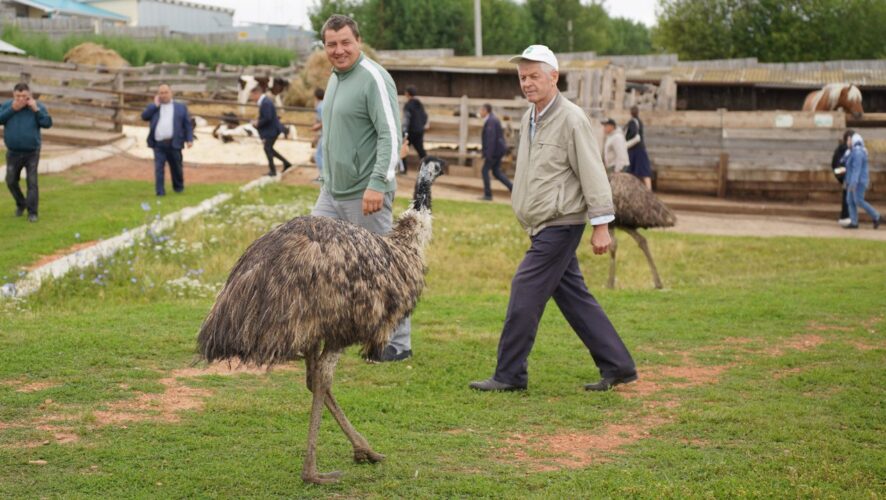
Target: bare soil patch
x=46 y=259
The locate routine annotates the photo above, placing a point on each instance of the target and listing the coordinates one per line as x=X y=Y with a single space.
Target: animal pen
x=782 y=155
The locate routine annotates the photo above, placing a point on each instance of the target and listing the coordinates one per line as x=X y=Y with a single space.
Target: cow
x=275 y=85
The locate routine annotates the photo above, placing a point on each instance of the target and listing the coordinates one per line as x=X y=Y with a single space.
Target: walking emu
x=635 y=207
x=314 y=286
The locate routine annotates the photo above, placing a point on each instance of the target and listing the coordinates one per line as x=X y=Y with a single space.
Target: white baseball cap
x=538 y=53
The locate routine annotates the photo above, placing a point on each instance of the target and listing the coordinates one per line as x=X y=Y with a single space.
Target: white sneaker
x=844 y=222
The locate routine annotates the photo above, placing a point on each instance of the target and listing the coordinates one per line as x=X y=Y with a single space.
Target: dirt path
x=130 y=167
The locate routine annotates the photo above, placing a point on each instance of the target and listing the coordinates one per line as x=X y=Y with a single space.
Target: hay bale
x=93 y=54
x=314 y=74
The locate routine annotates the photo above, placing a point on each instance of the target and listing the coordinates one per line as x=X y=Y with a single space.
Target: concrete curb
x=105 y=248
x=86 y=155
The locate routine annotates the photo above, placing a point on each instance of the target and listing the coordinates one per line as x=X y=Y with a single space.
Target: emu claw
x=367 y=456
x=322 y=477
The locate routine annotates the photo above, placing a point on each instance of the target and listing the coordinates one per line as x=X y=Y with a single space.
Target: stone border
x=105 y=248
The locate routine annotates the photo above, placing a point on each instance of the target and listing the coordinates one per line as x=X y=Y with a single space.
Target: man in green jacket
x=560 y=186
x=22 y=118
x=361 y=144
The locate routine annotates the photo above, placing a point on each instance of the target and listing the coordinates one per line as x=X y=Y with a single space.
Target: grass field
x=761 y=368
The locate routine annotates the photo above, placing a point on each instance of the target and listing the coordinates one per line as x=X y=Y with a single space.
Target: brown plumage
x=314 y=286
x=636 y=207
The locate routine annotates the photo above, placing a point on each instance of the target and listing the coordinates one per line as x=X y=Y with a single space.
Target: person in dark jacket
x=22 y=118
x=640 y=165
x=415 y=121
x=171 y=130
x=838 y=166
x=494 y=148
x=269 y=128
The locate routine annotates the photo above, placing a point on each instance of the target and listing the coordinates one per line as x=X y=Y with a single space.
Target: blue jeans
x=855 y=199
x=164 y=153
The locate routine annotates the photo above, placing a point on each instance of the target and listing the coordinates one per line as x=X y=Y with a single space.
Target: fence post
x=121 y=102
x=25 y=77
x=463 y=130
x=723 y=165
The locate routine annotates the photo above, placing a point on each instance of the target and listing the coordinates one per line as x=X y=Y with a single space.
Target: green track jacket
x=361 y=123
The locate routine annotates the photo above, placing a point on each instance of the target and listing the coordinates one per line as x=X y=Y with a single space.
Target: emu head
x=431 y=168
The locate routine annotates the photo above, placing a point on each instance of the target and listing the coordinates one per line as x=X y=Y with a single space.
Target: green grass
x=73 y=212
x=779 y=419
x=141 y=52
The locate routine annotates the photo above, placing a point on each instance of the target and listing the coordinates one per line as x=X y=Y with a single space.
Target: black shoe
x=609 y=382
x=851 y=226
x=287 y=166
x=877 y=222
x=389 y=354
x=32 y=218
x=271 y=174
x=19 y=212
x=485 y=198
x=491 y=384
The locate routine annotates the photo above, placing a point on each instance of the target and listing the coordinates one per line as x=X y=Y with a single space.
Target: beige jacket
x=615 y=151
x=560 y=177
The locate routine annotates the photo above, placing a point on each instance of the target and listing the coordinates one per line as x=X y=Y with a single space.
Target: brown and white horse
x=835 y=96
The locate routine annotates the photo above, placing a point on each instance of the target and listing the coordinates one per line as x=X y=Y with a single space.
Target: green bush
x=141 y=52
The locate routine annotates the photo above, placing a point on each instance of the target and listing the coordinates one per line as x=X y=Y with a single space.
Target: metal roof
x=469 y=64
x=761 y=75
x=8 y=48
x=72 y=8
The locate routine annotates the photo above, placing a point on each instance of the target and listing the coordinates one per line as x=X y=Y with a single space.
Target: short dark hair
x=635 y=111
x=21 y=87
x=257 y=89
x=487 y=107
x=319 y=93
x=411 y=90
x=849 y=133
x=336 y=22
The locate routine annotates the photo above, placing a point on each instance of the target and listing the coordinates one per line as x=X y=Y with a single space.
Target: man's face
x=255 y=94
x=164 y=93
x=342 y=47
x=536 y=83
x=608 y=128
x=483 y=112
x=21 y=96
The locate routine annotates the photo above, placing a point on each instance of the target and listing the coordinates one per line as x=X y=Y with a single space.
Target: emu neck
x=422 y=198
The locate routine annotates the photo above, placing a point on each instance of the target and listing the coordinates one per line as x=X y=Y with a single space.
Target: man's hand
x=19 y=104
x=189 y=144
x=372 y=201
x=600 y=239
x=32 y=103
x=156 y=100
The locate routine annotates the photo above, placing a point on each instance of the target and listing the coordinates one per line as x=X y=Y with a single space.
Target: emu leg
x=641 y=241
x=612 y=249
x=362 y=451
x=321 y=371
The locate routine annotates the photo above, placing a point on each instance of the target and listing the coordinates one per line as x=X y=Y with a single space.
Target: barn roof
x=468 y=64
x=800 y=75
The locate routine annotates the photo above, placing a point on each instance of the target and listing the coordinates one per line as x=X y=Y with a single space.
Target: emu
x=635 y=207
x=314 y=286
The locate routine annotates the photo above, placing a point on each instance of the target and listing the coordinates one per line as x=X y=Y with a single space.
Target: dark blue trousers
x=15 y=163
x=550 y=269
x=494 y=164
x=164 y=153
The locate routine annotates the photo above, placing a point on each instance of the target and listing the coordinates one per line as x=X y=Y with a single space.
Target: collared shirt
x=164 y=129
x=260 y=99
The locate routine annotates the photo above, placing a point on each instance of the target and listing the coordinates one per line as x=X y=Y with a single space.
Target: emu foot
x=321 y=477
x=370 y=456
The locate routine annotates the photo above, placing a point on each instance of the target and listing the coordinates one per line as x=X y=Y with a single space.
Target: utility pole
x=478 y=30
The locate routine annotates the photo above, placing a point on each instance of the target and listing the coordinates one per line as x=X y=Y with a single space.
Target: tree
x=772 y=30
x=569 y=26
x=507 y=27
x=628 y=37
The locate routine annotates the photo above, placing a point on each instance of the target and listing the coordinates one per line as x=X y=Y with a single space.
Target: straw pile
x=95 y=55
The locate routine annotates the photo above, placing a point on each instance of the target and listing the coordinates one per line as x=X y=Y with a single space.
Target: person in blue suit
x=269 y=128
x=171 y=130
x=494 y=148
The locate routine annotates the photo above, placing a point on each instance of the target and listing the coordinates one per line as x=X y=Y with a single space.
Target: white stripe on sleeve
x=389 y=117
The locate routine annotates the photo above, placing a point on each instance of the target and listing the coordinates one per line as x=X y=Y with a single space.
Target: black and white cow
x=275 y=85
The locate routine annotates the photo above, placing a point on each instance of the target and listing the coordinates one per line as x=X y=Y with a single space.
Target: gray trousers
x=550 y=269
x=379 y=223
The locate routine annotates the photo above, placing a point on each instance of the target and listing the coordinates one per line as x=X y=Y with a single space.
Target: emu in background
x=635 y=207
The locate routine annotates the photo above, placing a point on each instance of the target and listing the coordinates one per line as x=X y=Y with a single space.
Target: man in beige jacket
x=560 y=185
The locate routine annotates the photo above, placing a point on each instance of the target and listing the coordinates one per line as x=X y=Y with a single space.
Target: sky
x=295 y=12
